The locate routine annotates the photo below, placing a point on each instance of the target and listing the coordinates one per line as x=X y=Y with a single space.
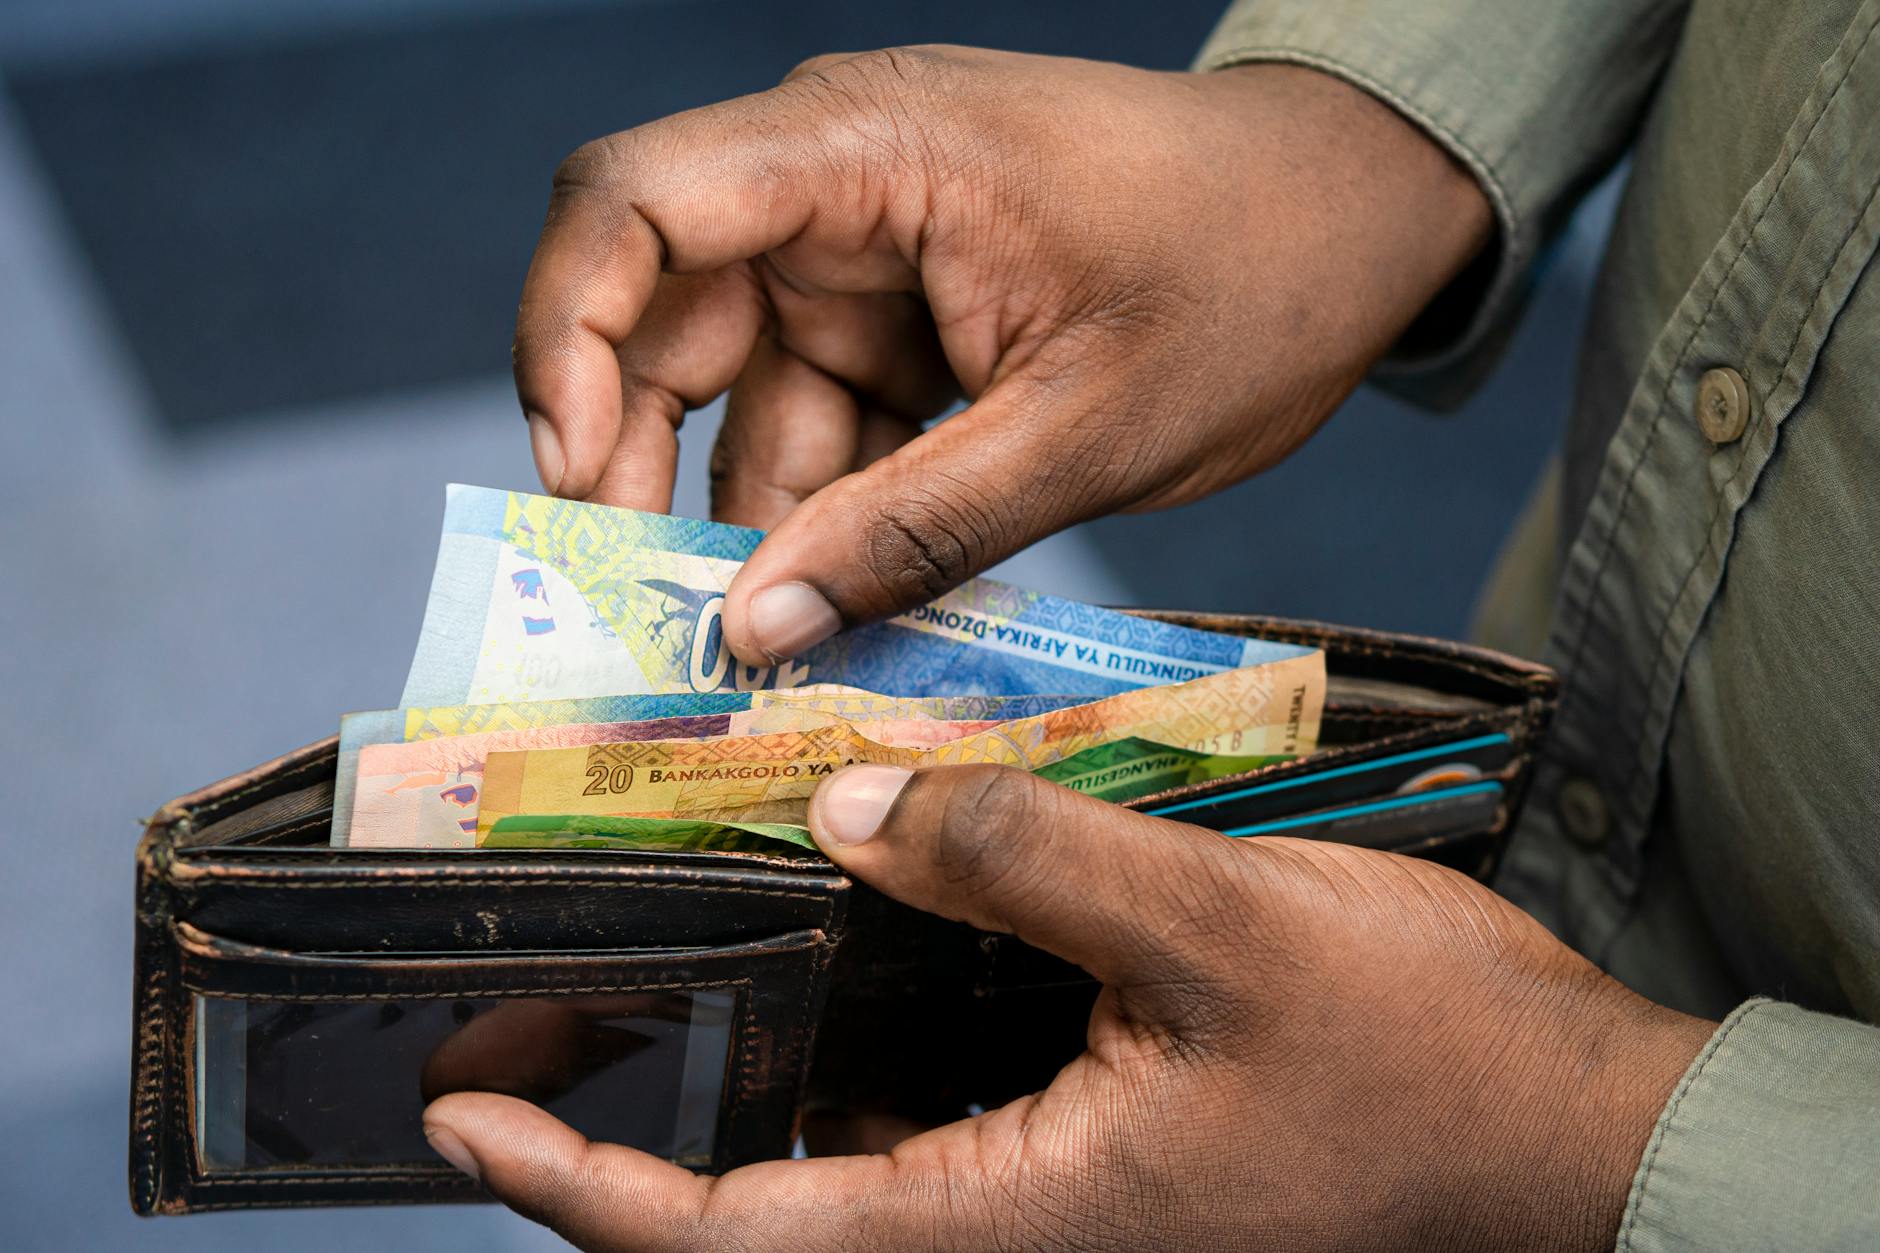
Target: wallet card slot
x=270 y=820
x=1388 y=822
x=1320 y=786
x=1417 y=735
x=220 y=966
x=1356 y=652
x=477 y=901
x=1363 y=692
x=295 y=1077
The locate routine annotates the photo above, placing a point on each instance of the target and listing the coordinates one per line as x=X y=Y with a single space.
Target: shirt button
x=1722 y=404
x=1583 y=811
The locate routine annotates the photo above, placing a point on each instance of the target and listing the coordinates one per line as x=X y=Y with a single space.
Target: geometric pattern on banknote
x=1123 y=770
x=757 y=778
x=1081 y=620
x=680 y=778
x=455 y=763
x=855 y=705
x=645 y=579
x=1105 y=770
x=833 y=746
x=448 y=771
x=851 y=704
x=602 y=552
x=580 y=831
x=425 y=722
x=466 y=753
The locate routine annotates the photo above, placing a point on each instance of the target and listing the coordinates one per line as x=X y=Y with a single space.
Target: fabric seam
x=1742 y=473
x=1787 y=161
x=1690 y=1080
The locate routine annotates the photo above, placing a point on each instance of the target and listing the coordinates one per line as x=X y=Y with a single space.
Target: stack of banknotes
x=572 y=688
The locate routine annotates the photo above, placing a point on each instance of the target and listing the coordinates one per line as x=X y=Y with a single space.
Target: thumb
x=919 y=522
x=1138 y=902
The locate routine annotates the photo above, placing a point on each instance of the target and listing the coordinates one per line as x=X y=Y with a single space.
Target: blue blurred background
x=258 y=265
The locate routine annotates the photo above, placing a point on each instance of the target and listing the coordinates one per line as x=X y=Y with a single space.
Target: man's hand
x=1149 y=285
x=1298 y=1045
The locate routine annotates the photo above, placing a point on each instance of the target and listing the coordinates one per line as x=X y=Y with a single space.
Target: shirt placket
x=1702 y=422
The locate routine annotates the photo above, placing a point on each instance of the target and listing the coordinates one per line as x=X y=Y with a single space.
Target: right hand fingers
x=844 y=379
x=684 y=350
x=699 y=192
x=1031 y=456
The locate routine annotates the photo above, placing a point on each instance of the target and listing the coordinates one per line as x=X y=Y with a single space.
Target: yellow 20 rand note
x=1270 y=710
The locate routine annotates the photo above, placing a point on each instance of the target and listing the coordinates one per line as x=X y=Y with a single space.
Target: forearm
x=1535 y=101
x=1399 y=216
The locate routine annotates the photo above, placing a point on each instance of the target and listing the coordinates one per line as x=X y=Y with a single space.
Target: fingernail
x=549 y=462
x=853 y=803
x=790 y=617
x=451 y=1149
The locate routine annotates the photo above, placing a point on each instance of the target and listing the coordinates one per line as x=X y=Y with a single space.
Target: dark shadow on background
x=280 y=226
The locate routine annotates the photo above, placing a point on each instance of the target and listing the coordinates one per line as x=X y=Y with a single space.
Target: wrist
x=1569 y=1140
x=1401 y=215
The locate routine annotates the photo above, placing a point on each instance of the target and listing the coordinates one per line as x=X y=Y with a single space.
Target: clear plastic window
x=343 y=1083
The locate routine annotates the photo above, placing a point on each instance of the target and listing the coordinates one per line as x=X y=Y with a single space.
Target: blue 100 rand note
x=536 y=599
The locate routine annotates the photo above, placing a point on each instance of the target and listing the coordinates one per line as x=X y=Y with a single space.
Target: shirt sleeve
x=1537 y=100
x=1771 y=1140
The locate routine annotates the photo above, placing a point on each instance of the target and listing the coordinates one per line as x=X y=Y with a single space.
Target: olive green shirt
x=1705 y=821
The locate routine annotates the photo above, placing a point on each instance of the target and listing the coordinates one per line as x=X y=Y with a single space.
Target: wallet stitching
x=800 y=1042
x=153 y=1074
x=747 y=1063
x=150 y=1102
x=214 y=808
x=507 y=885
x=442 y=1177
x=506 y=990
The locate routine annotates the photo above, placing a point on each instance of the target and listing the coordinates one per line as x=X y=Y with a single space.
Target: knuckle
x=910 y=63
x=983 y=824
x=893 y=113
x=925 y=543
x=878 y=103
x=896 y=68
x=540 y=337
x=550 y=1190
x=611 y=177
x=593 y=165
x=546 y=334
x=815 y=65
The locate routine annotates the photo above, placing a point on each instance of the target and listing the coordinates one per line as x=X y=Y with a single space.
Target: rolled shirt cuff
x=1535 y=101
x=1771 y=1140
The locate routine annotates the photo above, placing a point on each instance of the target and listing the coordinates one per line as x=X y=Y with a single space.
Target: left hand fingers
x=606 y=1197
x=1139 y=902
x=539 y=1048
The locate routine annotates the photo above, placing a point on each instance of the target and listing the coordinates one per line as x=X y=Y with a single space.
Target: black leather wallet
x=297 y=1005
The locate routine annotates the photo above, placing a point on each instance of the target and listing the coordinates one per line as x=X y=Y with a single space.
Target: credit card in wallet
x=1394 y=822
x=1422 y=771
